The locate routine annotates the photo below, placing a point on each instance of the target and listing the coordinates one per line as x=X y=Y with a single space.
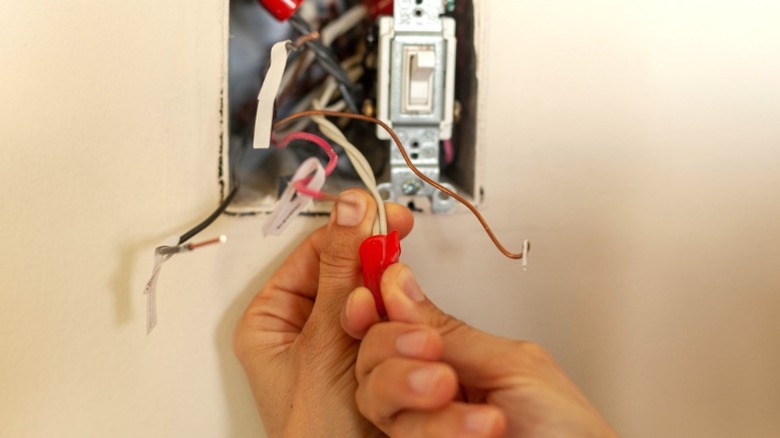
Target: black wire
x=349 y=100
x=329 y=63
x=209 y=220
x=229 y=198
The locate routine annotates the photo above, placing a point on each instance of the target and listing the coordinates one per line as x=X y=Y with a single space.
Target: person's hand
x=425 y=374
x=299 y=361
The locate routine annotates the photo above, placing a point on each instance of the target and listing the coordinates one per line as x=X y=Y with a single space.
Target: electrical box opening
x=410 y=63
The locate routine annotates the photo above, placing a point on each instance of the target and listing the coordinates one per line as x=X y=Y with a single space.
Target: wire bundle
x=308 y=103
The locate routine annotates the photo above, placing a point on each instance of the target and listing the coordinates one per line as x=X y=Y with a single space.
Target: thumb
x=405 y=300
x=479 y=358
x=352 y=222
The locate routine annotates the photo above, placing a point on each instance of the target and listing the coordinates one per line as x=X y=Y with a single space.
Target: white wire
x=338 y=106
x=343 y=24
x=327 y=93
x=361 y=166
x=359 y=161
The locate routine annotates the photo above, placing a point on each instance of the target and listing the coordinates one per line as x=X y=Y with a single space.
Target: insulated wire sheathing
x=328 y=62
x=187 y=247
x=209 y=220
x=449 y=151
x=359 y=162
x=303 y=39
x=402 y=150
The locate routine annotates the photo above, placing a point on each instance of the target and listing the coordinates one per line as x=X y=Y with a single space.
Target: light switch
x=419 y=66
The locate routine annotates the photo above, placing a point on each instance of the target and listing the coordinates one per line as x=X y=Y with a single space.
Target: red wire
x=333 y=159
x=449 y=152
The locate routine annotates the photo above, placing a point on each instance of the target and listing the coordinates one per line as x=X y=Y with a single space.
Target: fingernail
x=350 y=209
x=412 y=343
x=480 y=421
x=410 y=286
x=423 y=380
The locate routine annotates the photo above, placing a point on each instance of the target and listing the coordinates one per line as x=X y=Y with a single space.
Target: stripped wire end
x=301 y=188
x=526 y=250
x=303 y=39
x=187 y=247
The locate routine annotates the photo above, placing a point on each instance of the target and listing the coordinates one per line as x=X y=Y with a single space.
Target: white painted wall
x=636 y=144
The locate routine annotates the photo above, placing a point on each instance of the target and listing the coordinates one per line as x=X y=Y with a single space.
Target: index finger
x=391 y=339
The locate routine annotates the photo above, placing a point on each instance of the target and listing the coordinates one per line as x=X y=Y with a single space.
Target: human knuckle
x=532 y=354
x=337 y=258
x=369 y=399
x=379 y=334
x=401 y=428
x=373 y=333
x=243 y=339
x=369 y=352
x=338 y=269
x=240 y=340
x=435 y=426
x=318 y=338
x=448 y=325
x=361 y=366
x=535 y=351
x=362 y=402
x=339 y=252
x=239 y=350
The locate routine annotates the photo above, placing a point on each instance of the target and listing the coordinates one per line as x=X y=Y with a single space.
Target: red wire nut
x=379 y=7
x=376 y=254
x=281 y=9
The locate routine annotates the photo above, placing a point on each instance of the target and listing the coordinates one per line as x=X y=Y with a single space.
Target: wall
x=635 y=144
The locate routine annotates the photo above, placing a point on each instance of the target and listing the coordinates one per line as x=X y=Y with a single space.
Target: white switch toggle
x=418 y=81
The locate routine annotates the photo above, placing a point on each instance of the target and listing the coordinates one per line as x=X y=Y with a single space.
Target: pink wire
x=449 y=152
x=333 y=159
